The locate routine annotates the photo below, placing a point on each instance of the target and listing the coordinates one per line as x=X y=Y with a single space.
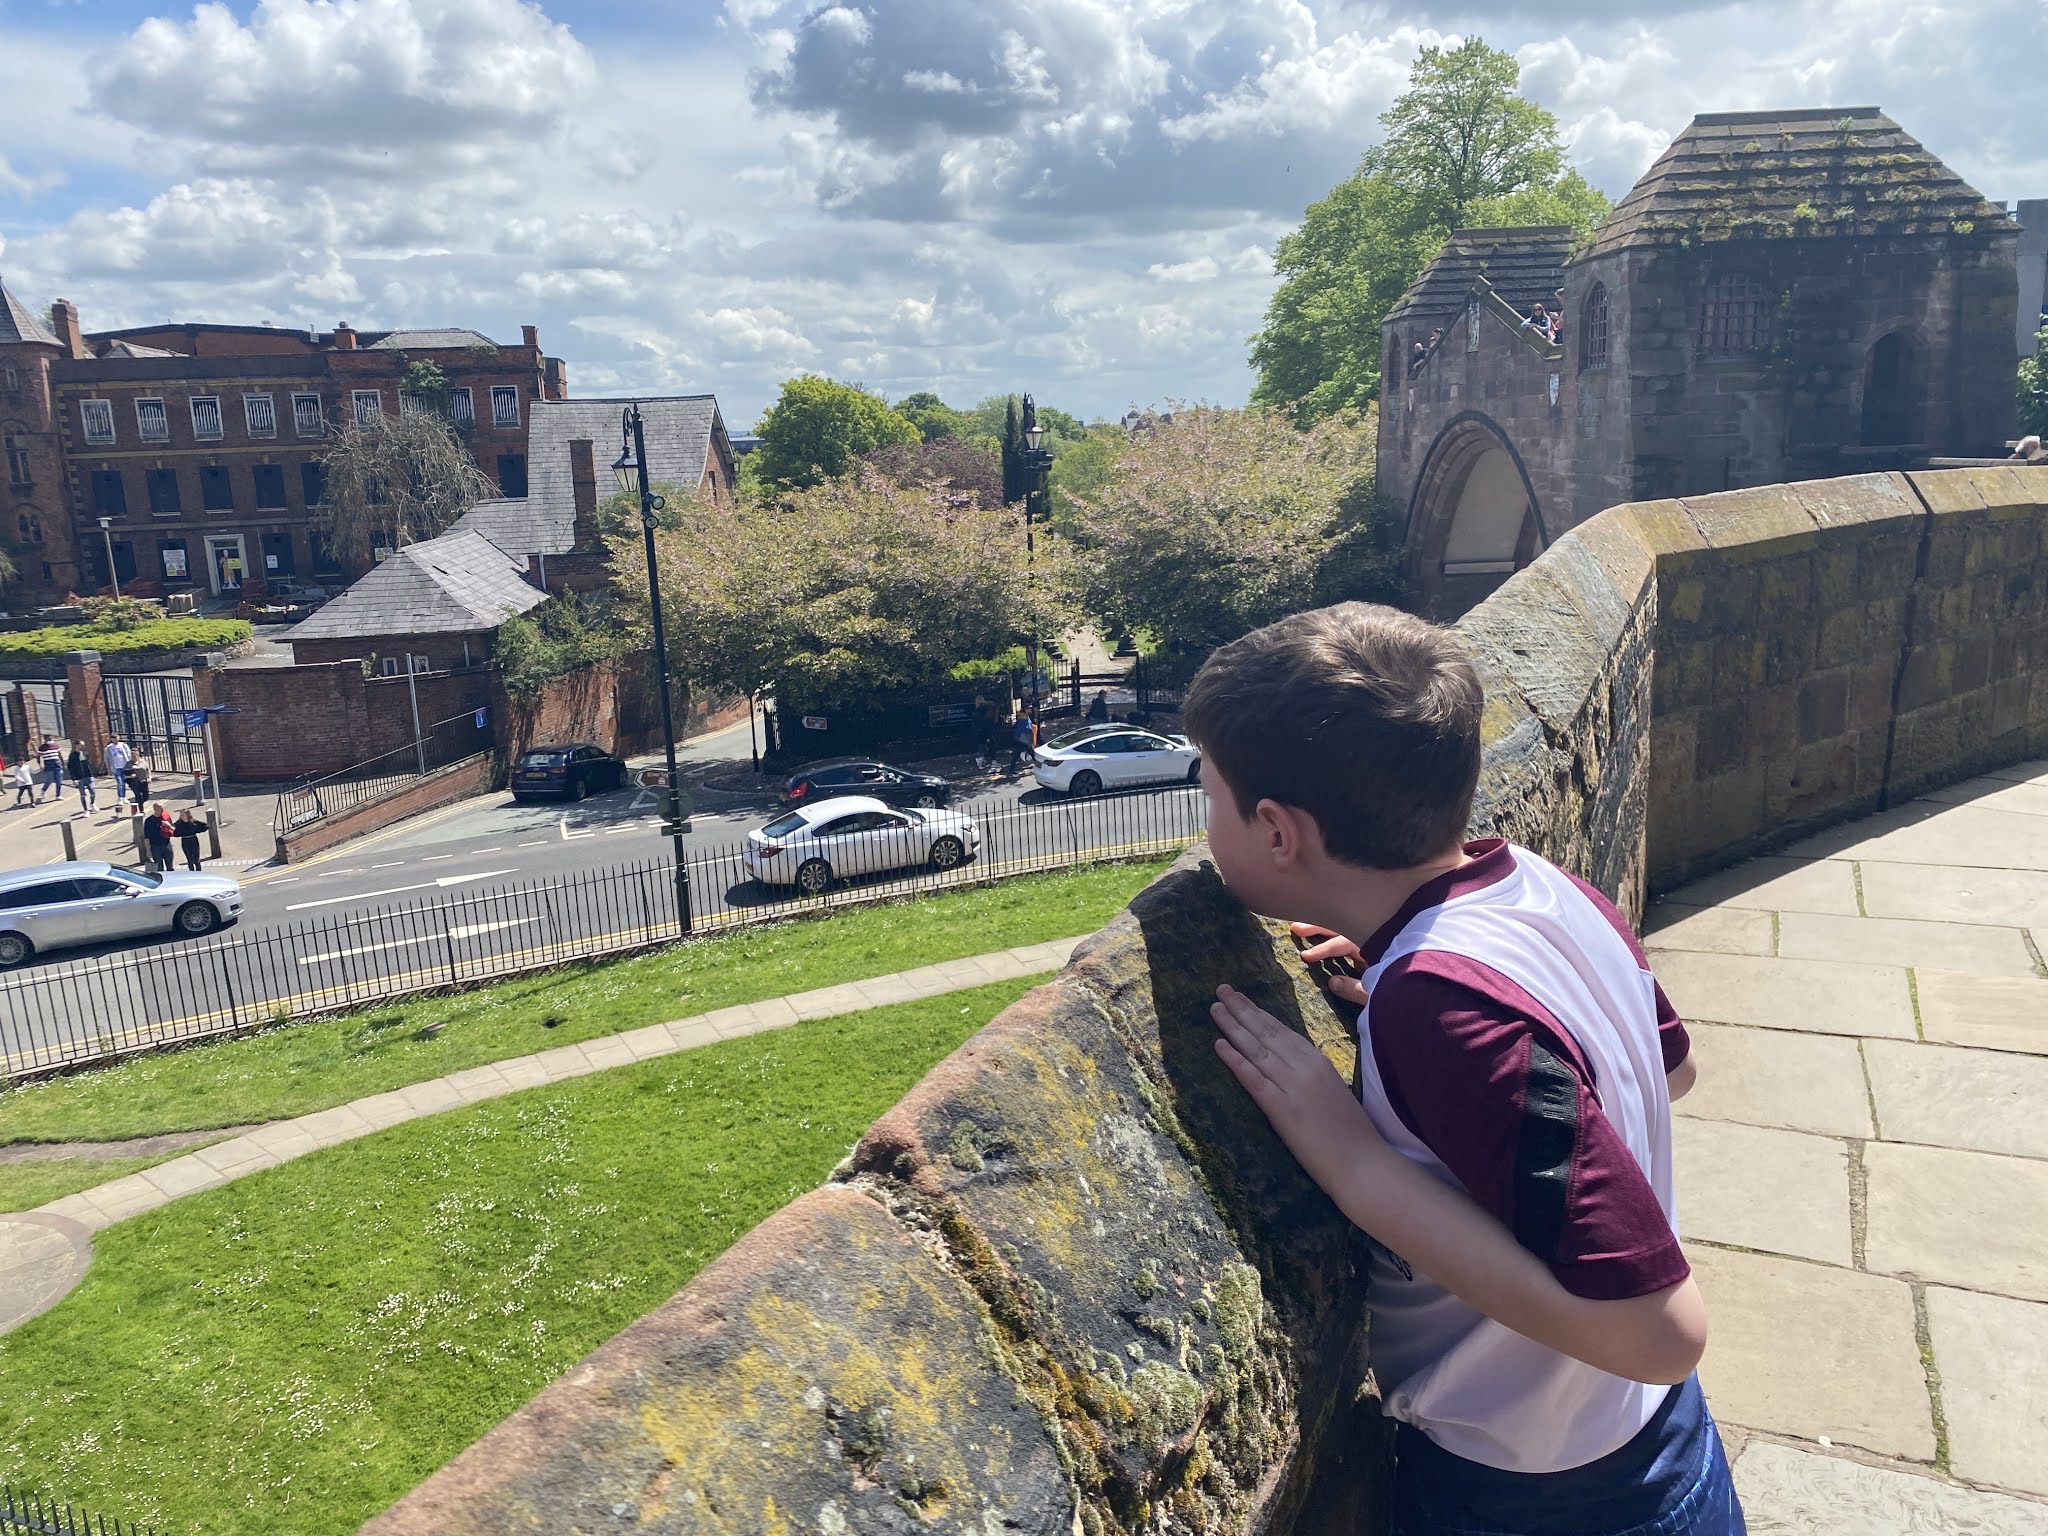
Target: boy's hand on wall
x=1308 y=1104
x=1333 y=960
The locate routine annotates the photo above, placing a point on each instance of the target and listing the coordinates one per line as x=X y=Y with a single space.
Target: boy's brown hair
x=1365 y=717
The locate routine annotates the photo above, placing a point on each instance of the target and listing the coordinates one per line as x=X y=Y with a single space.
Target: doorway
x=226 y=560
x=1888 y=393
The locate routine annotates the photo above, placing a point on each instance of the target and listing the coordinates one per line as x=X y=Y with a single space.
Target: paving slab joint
x=1859 y=1196
x=1923 y=1335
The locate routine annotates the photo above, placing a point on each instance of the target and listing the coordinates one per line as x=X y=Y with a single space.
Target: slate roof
x=1524 y=264
x=430 y=339
x=20 y=323
x=1830 y=171
x=457 y=583
x=521 y=527
x=136 y=349
x=679 y=433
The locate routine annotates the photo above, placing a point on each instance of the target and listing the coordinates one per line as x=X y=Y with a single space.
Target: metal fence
x=313 y=798
x=147 y=710
x=57 y=1013
x=33 y=1515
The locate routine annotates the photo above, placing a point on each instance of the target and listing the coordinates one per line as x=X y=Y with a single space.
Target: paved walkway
x=1863 y=1168
x=45 y=1252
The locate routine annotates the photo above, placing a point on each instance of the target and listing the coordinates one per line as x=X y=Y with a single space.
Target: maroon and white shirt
x=1516 y=1045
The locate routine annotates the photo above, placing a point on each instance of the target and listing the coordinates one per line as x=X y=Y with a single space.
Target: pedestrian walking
x=118 y=759
x=156 y=832
x=138 y=781
x=24 y=782
x=1023 y=738
x=78 y=768
x=188 y=827
x=52 y=758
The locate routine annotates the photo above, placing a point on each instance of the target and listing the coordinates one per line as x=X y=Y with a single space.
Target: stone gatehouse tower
x=1783 y=296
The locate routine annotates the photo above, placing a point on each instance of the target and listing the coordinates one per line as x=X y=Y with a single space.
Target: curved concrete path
x=44 y=1252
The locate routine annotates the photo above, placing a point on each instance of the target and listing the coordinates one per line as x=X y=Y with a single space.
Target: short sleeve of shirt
x=1503 y=1097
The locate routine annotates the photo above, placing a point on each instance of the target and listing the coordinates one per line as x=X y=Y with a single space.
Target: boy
x=1536 y=1340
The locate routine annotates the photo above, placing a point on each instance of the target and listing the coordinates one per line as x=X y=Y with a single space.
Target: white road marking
x=570 y=837
x=499 y=848
x=398 y=890
x=287 y=880
x=522 y=845
x=462 y=931
x=615 y=831
x=328 y=874
x=433 y=856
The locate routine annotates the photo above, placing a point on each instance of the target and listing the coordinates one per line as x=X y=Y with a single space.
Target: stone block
x=1614 y=542
x=1718 y=930
x=1791 y=1492
x=1958 y=1218
x=1738 y=665
x=1928 y=676
x=1723 y=739
x=1946 y=490
x=1977 y=1100
x=1870 y=692
x=1815 y=996
x=826 y=1373
x=1755 y=524
x=1773 y=1077
x=1861 y=505
x=1992 y=1352
x=1666 y=530
x=1823 y=706
x=1807 y=1212
x=1994 y=1013
x=1982 y=951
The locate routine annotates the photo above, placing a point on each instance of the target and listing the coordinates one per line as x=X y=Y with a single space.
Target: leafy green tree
x=1011 y=450
x=565 y=632
x=1081 y=471
x=1463 y=150
x=407 y=476
x=1224 y=520
x=817 y=427
x=986 y=420
x=933 y=418
x=2033 y=388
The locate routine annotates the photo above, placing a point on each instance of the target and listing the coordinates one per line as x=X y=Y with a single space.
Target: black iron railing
x=313 y=798
x=33 y=1515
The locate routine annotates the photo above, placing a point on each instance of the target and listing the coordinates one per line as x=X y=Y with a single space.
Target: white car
x=855 y=835
x=54 y=906
x=1100 y=757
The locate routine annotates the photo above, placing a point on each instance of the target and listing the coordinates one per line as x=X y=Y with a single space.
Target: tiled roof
x=679 y=431
x=1848 y=171
x=1524 y=264
x=429 y=339
x=457 y=583
x=520 y=526
x=136 y=349
x=20 y=323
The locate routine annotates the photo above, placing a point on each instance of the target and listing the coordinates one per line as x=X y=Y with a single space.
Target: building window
x=216 y=488
x=461 y=408
x=97 y=416
x=313 y=481
x=176 y=560
x=309 y=417
x=1593 y=335
x=320 y=554
x=369 y=406
x=261 y=414
x=18 y=474
x=109 y=495
x=410 y=404
x=152 y=421
x=13 y=382
x=511 y=474
x=269 y=486
x=504 y=405
x=163 y=492
x=206 y=424
x=1732 y=316
x=31 y=528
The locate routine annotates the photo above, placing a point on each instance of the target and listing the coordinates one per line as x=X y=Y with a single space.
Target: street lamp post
x=1037 y=462
x=631 y=470
x=107 y=533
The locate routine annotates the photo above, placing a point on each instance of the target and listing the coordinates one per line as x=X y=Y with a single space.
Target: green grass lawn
x=24 y=1186
x=293 y=1351
x=168 y=634
x=325 y=1062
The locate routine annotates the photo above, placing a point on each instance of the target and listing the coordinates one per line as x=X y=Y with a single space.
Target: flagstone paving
x=1863 y=1167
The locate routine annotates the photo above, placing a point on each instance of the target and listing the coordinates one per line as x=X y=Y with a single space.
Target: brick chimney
x=530 y=335
x=554 y=379
x=583 y=477
x=344 y=337
x=64 y=321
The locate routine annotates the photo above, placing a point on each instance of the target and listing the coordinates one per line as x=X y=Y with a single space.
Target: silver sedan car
x=56 y=906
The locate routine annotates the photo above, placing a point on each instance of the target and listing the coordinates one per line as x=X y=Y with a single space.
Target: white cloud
x=760 y=328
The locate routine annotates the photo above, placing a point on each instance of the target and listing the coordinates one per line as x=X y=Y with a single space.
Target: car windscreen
x=782 y=826
x=144 y=877
x=1071 y=738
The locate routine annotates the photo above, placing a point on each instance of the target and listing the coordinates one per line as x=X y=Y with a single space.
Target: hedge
x=154 y=635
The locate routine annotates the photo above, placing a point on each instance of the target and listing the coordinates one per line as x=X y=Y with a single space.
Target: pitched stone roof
x=520 y=526
x=1831 y=171
x=679 y=434
x=1525 y=266
x=457 y=583
x=430 y=339
x=20 y=323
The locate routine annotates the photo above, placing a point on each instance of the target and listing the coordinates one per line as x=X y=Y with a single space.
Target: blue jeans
x=1672 y=1479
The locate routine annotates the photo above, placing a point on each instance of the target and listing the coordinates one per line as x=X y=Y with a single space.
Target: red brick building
x=200 y=444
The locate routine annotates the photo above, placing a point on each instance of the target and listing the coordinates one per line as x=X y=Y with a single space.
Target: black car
x=863 y=776
x=573 y=770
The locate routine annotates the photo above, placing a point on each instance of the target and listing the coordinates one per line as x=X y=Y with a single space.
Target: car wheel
x=929 y=799
x=196 y=919
x=579 y=789
x=1086 y=782
x=948 y=853
x=813 y=877
x=1195 y=771
x=14 y=949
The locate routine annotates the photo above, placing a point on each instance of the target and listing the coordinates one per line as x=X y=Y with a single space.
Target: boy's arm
x=1654 y=1338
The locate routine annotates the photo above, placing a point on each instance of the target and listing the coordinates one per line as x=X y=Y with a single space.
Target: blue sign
x=195 y=719
x=479 y=719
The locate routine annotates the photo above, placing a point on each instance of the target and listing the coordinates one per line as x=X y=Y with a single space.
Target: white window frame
x=268 y=426
x=142 y=432
x=300 y=401
x=375 y=399
x=463 y=414
x=220 y=426
x=410 y=404
x=90 y=411
x=499 y=394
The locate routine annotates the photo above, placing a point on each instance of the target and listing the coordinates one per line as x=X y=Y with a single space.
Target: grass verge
x=324 y=1062
x=24 y=1186
x=293 y=1351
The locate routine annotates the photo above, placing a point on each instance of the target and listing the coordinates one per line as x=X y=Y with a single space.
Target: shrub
x=148 y=635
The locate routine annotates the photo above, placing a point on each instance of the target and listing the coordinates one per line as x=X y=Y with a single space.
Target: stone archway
x=1474 y=520
x=1891 y=392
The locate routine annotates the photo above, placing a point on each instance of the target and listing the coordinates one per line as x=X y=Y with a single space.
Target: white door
x=225 y=561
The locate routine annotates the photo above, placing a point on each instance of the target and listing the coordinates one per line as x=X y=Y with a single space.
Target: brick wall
x=446 y=787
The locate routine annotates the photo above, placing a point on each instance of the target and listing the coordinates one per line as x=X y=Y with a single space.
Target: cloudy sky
x=1079 y=197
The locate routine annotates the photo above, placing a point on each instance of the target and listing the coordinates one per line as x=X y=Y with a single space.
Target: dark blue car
x=568 y=772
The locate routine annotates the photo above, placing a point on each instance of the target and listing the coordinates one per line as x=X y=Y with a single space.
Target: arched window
x=18 y=472
x=1732 y=316
x=31 y=528
x=1593 y=330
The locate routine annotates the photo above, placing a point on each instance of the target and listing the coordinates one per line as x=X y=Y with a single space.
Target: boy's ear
x=1290 y=833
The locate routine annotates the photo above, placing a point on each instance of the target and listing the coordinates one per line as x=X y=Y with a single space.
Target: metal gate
x=148 y=710
x=51 y=719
